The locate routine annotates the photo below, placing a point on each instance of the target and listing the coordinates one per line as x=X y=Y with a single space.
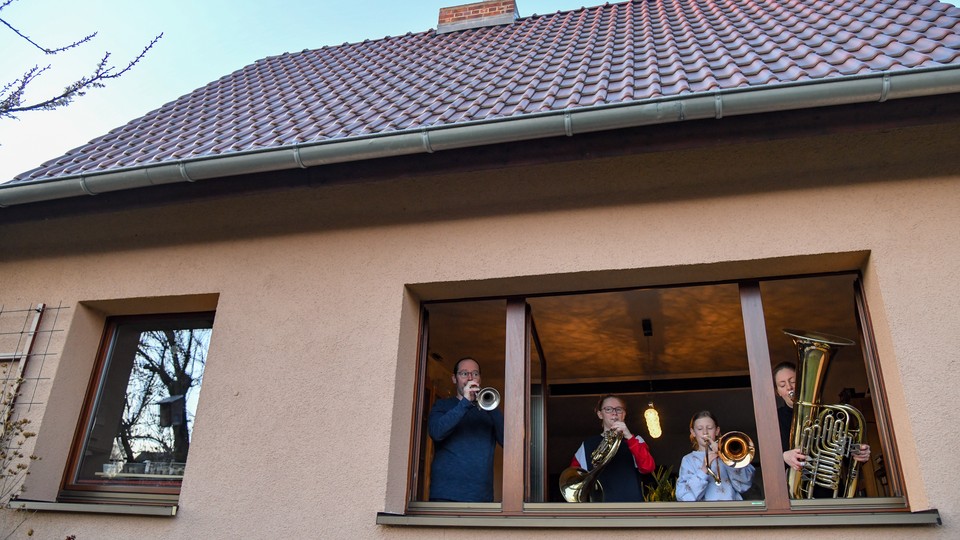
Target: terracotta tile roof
x=615 y=53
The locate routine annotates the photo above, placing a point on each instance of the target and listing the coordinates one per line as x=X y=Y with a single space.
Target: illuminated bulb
x=653 y=421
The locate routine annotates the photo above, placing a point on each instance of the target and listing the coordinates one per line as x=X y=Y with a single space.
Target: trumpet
x=488 y=398
x=735 y=449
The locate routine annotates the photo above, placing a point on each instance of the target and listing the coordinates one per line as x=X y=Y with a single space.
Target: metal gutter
x=875 y=87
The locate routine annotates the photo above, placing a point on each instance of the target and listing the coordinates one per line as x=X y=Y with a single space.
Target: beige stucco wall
x=303 y=420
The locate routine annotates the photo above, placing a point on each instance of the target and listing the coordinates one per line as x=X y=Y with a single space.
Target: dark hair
x=608 y=396
x=456 y=367
x=699 y=415
x=782 y=366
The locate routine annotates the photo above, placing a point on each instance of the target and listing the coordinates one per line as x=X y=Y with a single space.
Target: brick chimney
x=477 y=14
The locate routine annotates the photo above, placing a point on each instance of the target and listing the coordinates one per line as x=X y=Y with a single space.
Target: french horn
x=578 y=485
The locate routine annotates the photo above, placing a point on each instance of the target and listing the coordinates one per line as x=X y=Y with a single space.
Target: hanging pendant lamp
x=653 y=421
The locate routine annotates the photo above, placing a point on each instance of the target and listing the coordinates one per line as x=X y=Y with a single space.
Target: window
x=134 y=435
x=679 y=349
x=487 y=319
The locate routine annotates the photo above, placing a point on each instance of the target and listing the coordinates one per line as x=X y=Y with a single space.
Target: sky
x=203 y=40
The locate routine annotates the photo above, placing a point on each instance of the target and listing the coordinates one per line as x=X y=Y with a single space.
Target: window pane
x=827 y=305
x=457 y=330
x=538 y=481
x=681 y=349
x=140 y=428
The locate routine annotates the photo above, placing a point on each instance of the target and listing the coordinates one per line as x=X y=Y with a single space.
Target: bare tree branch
x=12 y=94
x=45 y=50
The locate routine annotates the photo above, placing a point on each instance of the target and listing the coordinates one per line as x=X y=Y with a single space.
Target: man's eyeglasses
x=611 y=410
x=465 y=374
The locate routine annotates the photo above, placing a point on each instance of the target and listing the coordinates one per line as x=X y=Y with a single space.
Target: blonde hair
x=699 y=415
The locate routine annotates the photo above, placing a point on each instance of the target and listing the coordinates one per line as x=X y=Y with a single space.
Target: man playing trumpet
x=465 y=437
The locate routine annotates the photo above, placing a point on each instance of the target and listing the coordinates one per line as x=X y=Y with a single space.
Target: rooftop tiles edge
x=425 y=130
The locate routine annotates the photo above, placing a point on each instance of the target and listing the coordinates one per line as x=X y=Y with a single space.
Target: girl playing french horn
x=718 y=483
x=620 y=478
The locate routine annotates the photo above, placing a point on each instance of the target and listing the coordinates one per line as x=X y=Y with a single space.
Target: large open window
x=134 y=435
x=483 y=335
x=678 y=349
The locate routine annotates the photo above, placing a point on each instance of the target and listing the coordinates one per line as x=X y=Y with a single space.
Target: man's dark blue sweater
x=465 y=438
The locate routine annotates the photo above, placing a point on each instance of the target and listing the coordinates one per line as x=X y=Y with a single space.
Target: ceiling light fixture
x=653 y=421
x=651 y=415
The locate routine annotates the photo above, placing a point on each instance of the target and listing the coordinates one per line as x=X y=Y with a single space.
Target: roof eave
x=875 y=87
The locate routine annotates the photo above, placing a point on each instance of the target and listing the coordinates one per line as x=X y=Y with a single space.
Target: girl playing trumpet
x=721 y=482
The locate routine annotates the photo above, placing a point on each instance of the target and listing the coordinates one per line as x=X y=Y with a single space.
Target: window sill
x=130 y=509
x=454 y=507
x=928 y=517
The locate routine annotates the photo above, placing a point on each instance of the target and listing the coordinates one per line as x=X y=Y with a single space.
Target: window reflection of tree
x=167 y=363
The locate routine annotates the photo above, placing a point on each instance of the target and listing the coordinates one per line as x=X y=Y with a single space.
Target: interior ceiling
x=694 y=332
x=697 y=331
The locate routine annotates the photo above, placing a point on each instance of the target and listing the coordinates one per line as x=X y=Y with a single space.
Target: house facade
x=317 y=272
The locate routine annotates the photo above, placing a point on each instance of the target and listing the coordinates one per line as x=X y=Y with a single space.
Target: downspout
x=875 y=87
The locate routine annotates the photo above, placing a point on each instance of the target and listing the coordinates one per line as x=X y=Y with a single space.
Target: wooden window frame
x=114 y=493
x=775 y=509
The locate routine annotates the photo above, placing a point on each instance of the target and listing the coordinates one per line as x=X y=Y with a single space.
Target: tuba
x=828 y=435
x=578 y=485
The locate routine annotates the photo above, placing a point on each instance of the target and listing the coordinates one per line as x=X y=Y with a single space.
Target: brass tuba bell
x=578 y=485
x=828 y=435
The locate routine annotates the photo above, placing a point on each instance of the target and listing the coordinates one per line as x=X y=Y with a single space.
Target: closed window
x=133 y=440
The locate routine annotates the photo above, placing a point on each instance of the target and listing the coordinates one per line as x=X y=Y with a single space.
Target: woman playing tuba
x=823 y=444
